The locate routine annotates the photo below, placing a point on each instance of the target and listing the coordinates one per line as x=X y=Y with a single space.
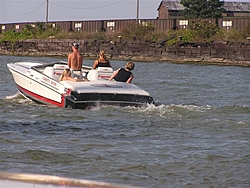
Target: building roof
x=237 y=6
x=228 y=6
x=172 y=4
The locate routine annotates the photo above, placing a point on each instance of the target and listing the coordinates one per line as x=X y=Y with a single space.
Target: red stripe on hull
x=104 y=77
x=41 y=98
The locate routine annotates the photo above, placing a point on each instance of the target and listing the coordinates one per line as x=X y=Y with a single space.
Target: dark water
x=198 y=134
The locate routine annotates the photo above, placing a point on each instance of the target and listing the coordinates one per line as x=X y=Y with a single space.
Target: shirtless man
x=75 y=60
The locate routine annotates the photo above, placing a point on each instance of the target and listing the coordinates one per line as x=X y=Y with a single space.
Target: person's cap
x=75 y=44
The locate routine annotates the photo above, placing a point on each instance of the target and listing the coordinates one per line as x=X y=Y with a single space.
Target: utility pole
x=47 y=11
x=137 y=11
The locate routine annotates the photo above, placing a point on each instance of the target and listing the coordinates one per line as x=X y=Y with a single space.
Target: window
x=110 y=24
x=230 y=14
x=78 y=26
x=174 y=13
x=227 y=23
x=183 y=22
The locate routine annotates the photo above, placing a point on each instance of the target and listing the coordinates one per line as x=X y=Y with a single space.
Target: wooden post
x=47 y=11
x=137 y=11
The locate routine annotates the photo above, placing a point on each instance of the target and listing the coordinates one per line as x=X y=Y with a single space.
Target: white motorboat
x=40 y=83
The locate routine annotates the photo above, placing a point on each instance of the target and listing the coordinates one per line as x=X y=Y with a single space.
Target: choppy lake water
x=198 y=134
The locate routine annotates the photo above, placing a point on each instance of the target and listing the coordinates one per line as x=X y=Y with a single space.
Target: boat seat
x=93 y=75
x=59 y=70
x=60 y=66
x=104 y=72
x=105 y=69
x=50 y=71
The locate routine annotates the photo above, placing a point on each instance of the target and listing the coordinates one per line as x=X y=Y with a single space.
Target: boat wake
x=166 y=109
x=185 y=112
x=17 y=95
x=158 y=110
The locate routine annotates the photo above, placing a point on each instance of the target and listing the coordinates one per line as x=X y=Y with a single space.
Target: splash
x=193 y=107
x=95 y=108
x=178 y=110
x=150 y=107
x=17 y=95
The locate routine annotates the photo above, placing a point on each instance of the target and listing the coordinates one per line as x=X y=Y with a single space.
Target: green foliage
x=202 y=8
x=215 y=8
x=225 y=35
x=232 y=35
x=138 y=32
x=246 y=31
x=153 y=37
x=198 y=30
x=10 y=36
x=186 y=36
x=61 y=35
x=28 y=32
x=40 y=27
x=203 y=28
x=31 y=32
x=99 y=35
x=49 y=32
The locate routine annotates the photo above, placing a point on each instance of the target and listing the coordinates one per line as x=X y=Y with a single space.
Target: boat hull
x=37 y=91
x=86 y=100
x=33 y=83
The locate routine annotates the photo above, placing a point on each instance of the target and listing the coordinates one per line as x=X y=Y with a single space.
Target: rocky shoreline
x=216 y=53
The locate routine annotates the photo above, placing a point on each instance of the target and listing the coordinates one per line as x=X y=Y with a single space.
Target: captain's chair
x=50 y=71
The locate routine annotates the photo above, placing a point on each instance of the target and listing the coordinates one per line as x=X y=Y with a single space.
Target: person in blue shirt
x=124 y=74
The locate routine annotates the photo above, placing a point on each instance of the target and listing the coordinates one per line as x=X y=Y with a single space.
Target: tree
x=202 y=8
